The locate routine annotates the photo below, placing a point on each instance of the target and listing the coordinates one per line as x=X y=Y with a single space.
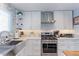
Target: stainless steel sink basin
x=14 y=42
x=14 y=45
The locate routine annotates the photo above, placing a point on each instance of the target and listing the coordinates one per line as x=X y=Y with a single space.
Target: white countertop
x=67 y=38
x=25 y=38
x=33 y=37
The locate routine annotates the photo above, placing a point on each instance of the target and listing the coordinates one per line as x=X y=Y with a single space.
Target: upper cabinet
x=36 y=20
x=58 y=16
x=68 y=22
x=47 y=20
x=63 y=20
x=32 y=20
x=27 y=21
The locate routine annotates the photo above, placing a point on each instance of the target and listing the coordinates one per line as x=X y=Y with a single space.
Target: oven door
x=49 y=48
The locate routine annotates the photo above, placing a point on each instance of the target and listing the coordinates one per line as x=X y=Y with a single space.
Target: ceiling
x=45 y=6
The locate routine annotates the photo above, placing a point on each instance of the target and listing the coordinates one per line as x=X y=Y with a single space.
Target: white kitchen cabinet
x=67 y=44
x=22 y=52
x=68 y=21
x=36 y=20
x=33 y=47
x=63 y=19
x=63 y=44
x=32 y=20
x=58 y=16
x=27 y=21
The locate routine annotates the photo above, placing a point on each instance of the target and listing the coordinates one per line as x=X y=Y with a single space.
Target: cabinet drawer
x=62 y=44
x=75 y=40
x=36 y=42
x=66 y=46
x=62 y=40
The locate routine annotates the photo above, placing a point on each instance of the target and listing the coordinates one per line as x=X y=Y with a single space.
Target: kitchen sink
x=14 y=45
x=14 y=42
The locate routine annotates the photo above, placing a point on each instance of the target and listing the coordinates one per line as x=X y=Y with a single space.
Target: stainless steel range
x=49 y=44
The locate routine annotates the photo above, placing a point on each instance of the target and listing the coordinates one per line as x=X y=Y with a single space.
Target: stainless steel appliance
x=49 y=44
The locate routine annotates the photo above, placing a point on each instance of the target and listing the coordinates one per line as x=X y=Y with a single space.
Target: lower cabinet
x=32 y=48
x=67 y=44
x=21 y=53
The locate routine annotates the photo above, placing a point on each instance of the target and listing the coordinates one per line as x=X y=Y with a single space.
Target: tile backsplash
x=29 y=33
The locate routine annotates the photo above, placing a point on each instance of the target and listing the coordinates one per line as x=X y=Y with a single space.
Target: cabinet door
x=68 y=23
x=22 y=52
x=27 y=21
x=28 y=48
x=67 y=44
x=63 y=19
x=75 y=44
x=36 y=20
x=36 y=48
x=58 y=16
x=64 y=44
x=33 y=47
